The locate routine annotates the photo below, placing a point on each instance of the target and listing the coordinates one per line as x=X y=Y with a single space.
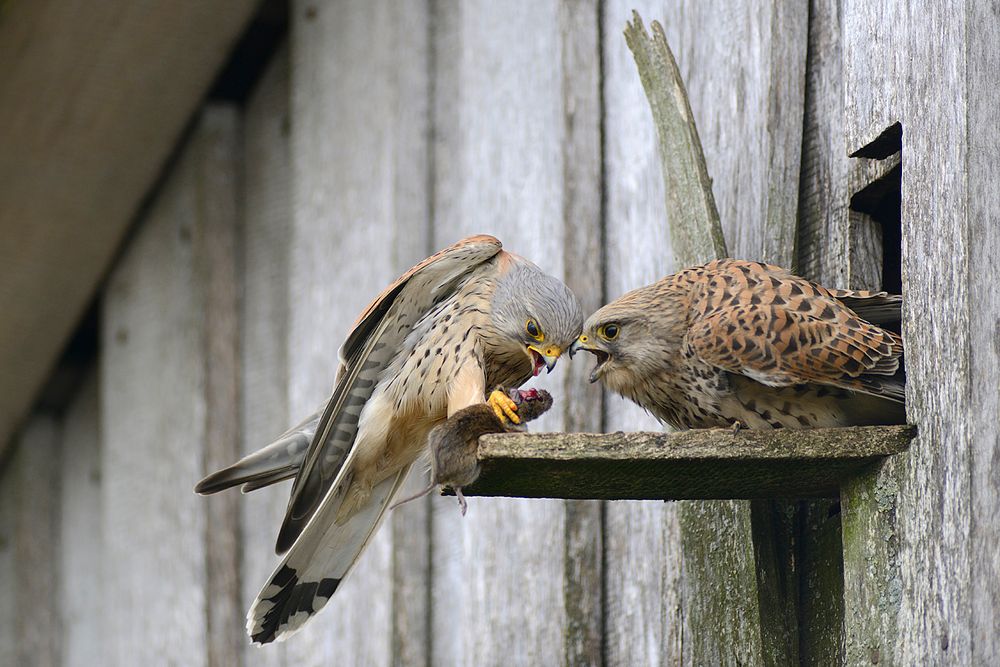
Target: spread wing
x=370 y=347
x=780 y=330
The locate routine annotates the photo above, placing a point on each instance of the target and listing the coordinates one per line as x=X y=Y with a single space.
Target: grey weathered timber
x=80 y=577
x=29 y=535
x=758 y=207
x=266 y=231
x=930 y=71
x=517 y=156
x=93 y=98
x=163 y=379
x=841 y=247
x=359 y=147
x=643 y=616
x=215 y=263
x=713 y=463
x=583 y=272
x=695 y=232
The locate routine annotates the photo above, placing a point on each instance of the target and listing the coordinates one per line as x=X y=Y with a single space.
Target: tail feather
x=277 y=461
x=318 y=561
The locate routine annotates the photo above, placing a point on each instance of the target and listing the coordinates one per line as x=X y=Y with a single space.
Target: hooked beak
x=546 y=357
x=583 y=343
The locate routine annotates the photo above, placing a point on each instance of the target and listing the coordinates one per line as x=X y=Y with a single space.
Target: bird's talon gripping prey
x=454 y=444
x=504 y=407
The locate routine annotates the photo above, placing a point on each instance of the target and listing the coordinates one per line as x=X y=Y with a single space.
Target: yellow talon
x=504 y=407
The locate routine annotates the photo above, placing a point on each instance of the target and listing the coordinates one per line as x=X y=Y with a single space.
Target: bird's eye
x=532 y=328
x=609 y=331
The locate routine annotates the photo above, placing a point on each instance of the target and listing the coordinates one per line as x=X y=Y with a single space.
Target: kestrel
x=735 y=341
x=470 y=317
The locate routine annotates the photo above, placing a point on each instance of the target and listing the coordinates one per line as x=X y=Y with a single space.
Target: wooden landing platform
x=699 y=464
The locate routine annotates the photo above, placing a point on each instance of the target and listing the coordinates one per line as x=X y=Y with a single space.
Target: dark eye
x=532 y=328
x=609 y=331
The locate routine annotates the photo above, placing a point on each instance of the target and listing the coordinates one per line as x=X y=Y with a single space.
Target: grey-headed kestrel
x=469 y=318
x=735 y=341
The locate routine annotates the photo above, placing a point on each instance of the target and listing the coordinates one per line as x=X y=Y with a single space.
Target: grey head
x=536 y=312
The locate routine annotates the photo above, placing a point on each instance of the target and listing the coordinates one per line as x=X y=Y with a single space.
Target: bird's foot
x=461 y=500
x=504 y=407
x=737 y=425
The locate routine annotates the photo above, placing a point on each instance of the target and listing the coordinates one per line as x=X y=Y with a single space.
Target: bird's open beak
x=546 y=357
x=583 y=343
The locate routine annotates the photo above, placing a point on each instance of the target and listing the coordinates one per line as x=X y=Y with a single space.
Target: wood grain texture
x=516 y=155
x=266 y=238
x=92 y=101
x=155 y=403
x=696 y=236
x=947 y=610
x=359 y=149
x=983 y=230
x=216 y=263
x=643 y=606
x=681 y=465
x=739 y=113
x=823 y=252
x=841 y=247
x=949 y=250
x=81 y=581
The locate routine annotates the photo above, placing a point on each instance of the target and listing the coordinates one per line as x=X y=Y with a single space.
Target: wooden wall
x=382 y=131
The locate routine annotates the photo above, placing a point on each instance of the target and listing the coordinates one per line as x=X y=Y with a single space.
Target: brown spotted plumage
x=737 y=341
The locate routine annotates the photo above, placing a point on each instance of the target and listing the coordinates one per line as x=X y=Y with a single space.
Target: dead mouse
x=454 y=444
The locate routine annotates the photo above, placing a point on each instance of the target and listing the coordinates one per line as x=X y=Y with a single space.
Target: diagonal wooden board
x=93 y=98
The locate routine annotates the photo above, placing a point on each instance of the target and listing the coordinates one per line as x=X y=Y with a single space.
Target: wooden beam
x=93 y=98
x=699 y=464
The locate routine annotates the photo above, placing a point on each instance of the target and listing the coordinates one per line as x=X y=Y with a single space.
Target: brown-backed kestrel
x=470 y=317
x=736 y=341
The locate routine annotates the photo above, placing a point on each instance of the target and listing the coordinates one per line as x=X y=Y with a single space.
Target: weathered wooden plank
x=155 y=403
x=644 y=622
x=697 y=238
x=267 y=228
x=682 y=465
x=85 y=133
x=81 y=571
x=517 y=155
x=359 y=150
x=33 y=477
x=983 y=231
x=581 y=401
x=219 y=179
x=929 y=71
x=873 y=587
